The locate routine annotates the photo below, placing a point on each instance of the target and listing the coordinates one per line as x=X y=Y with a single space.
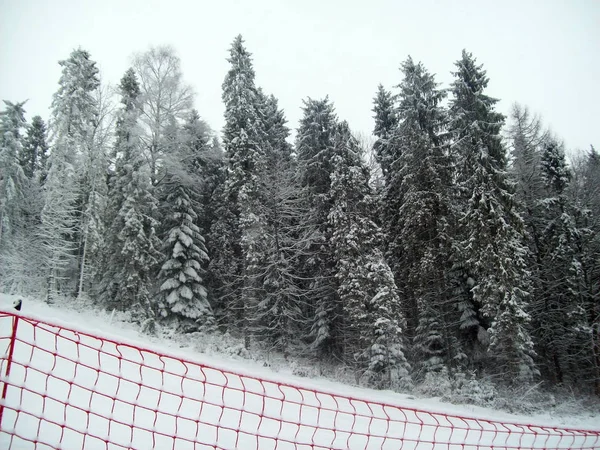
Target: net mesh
x=66 y=389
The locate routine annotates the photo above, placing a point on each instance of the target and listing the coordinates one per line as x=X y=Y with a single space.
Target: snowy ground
x=127 y=390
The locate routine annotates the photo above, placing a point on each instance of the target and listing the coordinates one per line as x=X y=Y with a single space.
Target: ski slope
x=78 y=383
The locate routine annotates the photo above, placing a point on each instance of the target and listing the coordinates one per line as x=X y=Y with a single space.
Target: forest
x=457 y=243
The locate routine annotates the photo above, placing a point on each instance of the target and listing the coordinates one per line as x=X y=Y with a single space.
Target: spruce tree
x=278 y=316
x=12 y=176
x=425 y=216
x=526 y=138
x=560 y=313
x=315 y=150
x=386 y=121
x=13 y=193
x=490 y=244
x=182 y=276
x=35 y=150
x=373 y=323
x=74 y=110
x=240 y=226
x=590 y=219
x=132 y=251
x=204 y=159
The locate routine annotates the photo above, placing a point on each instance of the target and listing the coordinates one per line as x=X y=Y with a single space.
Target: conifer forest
x=457 y=241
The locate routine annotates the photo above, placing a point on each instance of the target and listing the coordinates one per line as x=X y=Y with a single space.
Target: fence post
x=11 y=349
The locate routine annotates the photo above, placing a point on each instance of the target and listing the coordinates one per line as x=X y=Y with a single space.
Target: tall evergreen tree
x=278 y=316
x=13 y=192
x=315 y=150
x=132 y=252
x=490 y=245
x=425 y=216
x=560 y=315
x=373 y=320
x=386 y=121
x=74 y=110
x=585 y=193
x=203 y=157
x=182 y=275
x=12 y=176
x=240 y=224
x=526 y=138
x=35 y=150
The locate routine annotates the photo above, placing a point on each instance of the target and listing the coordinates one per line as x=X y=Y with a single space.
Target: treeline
x=470 y=244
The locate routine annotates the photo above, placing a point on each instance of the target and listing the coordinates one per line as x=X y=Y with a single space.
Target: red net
x=66 y=389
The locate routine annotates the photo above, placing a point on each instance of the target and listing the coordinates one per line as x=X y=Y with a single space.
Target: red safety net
x=64 y=388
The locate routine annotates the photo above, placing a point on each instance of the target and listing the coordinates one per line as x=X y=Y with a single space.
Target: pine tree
x=140 y=246
x=315 y=147
x=126 y=132
x=526 y=138
x=490 y=246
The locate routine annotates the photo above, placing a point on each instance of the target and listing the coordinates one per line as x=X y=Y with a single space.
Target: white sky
x=541 y=53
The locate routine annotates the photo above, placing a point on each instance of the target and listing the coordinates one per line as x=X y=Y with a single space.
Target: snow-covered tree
x=182 y=275
x=74 y=111
x=35 y=154
x=94 y=188
x=490 y=244
x=560 y=313
x=373 y=323
x=12 y=176
x=315 y=150
x=202 y=153
x=386 y=122
x=140 y=246
x=238 y=261
x=589 y=199
x=163 y=96
x=526 y=137
x=425 y=214
x=132 y=248
x=14 y=193
x=278 y=316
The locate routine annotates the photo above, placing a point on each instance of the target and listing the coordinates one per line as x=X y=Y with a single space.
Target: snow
x=159 y=397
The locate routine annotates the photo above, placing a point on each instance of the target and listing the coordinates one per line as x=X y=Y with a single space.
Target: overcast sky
x=544 y=53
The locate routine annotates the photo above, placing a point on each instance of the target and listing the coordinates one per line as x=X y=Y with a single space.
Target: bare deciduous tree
x=164 y=96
